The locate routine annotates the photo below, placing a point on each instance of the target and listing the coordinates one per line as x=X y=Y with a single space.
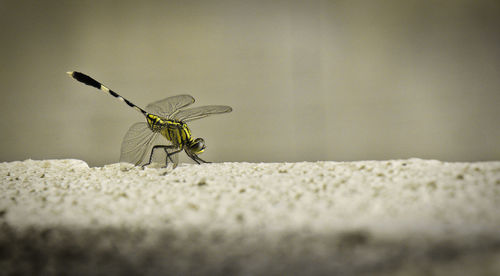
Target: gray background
x=322 y=80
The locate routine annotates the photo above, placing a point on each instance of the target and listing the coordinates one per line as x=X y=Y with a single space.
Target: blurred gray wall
x=308 y=80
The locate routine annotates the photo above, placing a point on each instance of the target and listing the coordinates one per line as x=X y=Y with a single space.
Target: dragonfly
x=165 y=130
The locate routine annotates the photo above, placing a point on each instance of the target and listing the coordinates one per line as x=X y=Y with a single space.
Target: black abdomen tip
x=81 y=77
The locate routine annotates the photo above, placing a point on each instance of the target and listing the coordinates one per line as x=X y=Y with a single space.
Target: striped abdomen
x=91 y=82
x=176 y=132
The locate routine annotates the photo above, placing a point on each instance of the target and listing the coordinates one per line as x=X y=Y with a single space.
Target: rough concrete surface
x=398 y=217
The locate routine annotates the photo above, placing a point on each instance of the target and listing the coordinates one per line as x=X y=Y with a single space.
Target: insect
x=165 y=119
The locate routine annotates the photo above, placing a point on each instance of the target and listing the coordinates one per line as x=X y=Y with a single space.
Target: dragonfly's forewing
x=169 y=105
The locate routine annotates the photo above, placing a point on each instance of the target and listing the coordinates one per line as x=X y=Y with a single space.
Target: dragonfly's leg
x=197 y=159
x=170 y=154
x=192 y=156
x=165 y=147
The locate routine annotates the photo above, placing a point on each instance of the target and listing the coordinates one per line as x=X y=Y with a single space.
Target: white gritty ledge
x=401 y=217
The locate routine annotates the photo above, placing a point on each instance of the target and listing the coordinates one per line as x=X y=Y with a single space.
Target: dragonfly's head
x=197 y=146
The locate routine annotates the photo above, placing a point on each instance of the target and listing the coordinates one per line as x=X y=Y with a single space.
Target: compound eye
x=199 y=145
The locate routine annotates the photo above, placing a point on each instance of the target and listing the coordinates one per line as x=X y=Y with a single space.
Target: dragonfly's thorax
x=176 y=132
x=156 y=123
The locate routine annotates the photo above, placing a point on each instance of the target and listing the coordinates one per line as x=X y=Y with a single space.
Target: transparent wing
x=138 y=143
x=169 y=105
x=196 y=113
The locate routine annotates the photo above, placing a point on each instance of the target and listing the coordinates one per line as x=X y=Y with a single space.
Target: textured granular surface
x=397 y=217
